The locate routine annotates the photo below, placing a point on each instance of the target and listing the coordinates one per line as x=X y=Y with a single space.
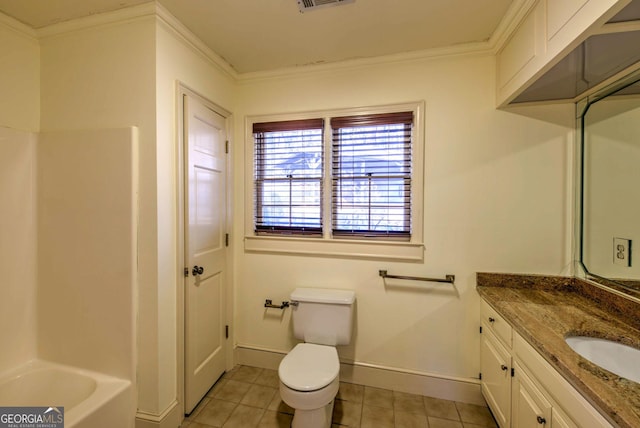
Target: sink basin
x=620 y=359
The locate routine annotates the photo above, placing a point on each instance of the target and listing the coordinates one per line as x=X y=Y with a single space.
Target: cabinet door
x=495 y=364
x=530 y=409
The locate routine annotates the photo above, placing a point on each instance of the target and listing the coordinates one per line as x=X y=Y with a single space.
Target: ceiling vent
x=307 y=5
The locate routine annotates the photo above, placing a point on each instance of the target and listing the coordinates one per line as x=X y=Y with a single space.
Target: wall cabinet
x=521 y=388
x=549 y=30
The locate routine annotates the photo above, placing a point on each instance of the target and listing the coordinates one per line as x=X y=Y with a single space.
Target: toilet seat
x=309 y=367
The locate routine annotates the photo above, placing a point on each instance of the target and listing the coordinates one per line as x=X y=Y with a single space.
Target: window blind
x=288 y=177
x=371 y=175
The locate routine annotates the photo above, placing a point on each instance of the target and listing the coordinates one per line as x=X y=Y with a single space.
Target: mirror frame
x=582 y=107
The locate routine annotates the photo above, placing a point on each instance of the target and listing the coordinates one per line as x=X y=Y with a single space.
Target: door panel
x=207 y=220
x=206 y=297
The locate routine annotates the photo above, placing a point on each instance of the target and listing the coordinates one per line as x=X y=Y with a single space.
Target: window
x=288 y=177
x=371 y=175
x=339 y=182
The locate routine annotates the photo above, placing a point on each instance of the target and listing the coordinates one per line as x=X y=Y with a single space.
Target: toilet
x=309 y=374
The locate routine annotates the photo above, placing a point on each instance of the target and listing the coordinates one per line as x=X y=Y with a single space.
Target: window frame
x=328 y=245
x=344 y=176
x=263 y=176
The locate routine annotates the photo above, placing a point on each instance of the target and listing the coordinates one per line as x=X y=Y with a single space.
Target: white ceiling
x=259 y=35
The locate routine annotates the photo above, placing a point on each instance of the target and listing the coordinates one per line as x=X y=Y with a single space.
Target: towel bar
x=448 y=278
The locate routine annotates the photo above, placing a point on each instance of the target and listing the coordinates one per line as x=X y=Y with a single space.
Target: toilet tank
x=323 y=316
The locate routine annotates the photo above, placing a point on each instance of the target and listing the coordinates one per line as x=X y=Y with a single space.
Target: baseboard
x=256 y=357
x=413 y=382
x=171 y=418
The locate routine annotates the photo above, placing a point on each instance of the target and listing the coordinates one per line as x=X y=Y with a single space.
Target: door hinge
x=226 y=331
x=513 y=372
x=480 y=376
x=226 y=239
x=226 y=146
x=480 y=329
x=186 y=272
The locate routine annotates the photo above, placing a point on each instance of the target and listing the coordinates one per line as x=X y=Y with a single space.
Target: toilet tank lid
x=323 y=295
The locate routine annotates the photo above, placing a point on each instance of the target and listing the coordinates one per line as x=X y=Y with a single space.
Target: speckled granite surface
x=544 y=310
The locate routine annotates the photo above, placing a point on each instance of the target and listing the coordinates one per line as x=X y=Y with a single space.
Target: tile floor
x=248 y=397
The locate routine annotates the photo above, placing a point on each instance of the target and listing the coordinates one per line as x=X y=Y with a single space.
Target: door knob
x=197 y=270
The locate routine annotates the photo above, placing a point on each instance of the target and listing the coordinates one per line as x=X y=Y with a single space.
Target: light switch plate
x=622 y=252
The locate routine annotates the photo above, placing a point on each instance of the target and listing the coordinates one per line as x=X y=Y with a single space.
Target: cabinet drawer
x=494 y=322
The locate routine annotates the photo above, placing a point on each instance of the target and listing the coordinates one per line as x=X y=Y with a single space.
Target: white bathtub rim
x=107 y=387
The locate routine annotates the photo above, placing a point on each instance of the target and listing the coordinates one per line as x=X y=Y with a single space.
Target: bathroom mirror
x=610 y=185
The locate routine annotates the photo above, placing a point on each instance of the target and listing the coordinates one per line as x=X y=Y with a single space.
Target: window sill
x=347 y=248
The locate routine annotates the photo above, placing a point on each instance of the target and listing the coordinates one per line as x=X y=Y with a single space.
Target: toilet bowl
x=309 y=382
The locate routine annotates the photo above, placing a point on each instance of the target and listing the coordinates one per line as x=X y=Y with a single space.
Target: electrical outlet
x=622 y=251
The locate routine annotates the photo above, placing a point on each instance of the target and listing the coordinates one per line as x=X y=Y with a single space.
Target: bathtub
x=90 y=399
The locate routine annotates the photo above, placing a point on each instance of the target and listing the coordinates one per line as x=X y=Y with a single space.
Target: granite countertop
x=544 y=310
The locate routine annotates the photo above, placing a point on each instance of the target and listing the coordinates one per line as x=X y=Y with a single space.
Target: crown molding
x=182 y=33
x=152 y=10
x=510 y=22
x=104 y=19
x=477 y=48
x=18 y=27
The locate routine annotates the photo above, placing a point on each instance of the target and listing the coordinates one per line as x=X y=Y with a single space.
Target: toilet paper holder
x=268 y=303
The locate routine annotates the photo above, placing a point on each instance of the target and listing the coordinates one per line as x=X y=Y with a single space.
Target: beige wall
x=20 y=76
x=496 y=199
x=99 y=77
x=125 y=73
x=177 y=61
x=19 y=122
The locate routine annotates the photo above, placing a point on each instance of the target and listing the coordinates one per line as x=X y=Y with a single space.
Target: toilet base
x=311 y=409
x=316 y=418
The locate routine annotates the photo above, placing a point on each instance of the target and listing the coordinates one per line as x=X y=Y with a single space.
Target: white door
x=205 y=249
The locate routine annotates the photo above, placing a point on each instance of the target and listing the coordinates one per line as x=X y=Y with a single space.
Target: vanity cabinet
x=521 y=388
x=549 y=30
